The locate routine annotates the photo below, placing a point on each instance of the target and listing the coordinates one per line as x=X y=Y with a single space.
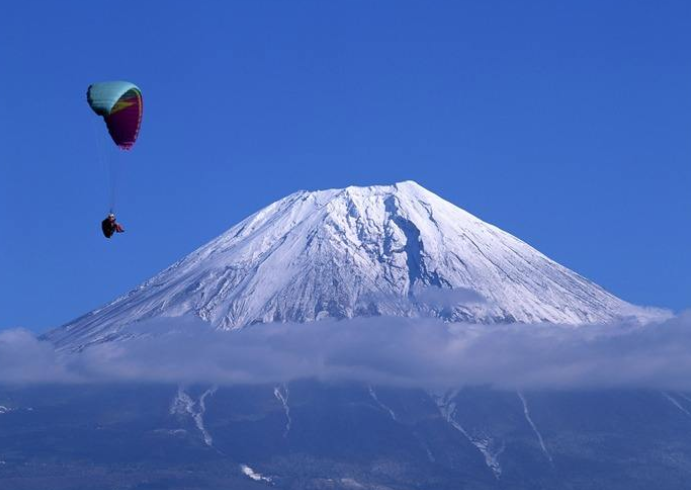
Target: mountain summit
x=360 y=251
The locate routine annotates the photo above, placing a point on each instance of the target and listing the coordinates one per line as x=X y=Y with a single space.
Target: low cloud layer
x=407 y=352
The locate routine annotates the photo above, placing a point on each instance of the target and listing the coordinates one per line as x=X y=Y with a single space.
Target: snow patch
x=485 y=444
x=676 y=403
x=281 y=393
x=526 y=413
x=351 y=483
x=253 y=475
x=183 y=405
x=428 y=452
x=171 y=432
x=381 y=405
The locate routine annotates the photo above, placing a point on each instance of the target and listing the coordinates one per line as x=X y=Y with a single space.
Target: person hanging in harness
x=109 y=226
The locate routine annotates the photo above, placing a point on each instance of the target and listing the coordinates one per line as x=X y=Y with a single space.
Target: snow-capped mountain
x=382 y=250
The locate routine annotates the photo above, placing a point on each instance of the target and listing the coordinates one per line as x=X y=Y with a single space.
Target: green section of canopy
x=102 y=96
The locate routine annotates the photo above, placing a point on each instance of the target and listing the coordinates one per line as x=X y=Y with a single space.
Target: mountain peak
x=410 y=186
x=397 y=250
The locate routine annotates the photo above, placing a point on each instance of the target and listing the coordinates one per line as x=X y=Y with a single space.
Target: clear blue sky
x=567 y=124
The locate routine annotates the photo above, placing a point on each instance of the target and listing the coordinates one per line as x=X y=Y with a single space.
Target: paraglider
x=110 y=226
x=121 y=106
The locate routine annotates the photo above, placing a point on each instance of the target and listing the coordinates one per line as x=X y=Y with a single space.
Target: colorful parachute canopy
x=121 y=105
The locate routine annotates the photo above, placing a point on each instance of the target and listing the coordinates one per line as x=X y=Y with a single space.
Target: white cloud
x=397 y=351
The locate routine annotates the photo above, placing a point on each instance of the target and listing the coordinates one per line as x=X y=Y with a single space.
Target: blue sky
x=567 y=124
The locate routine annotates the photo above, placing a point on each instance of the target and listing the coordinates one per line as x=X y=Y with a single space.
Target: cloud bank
x=394 y=351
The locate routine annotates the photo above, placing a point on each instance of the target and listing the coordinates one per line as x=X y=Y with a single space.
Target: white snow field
x=395 y=250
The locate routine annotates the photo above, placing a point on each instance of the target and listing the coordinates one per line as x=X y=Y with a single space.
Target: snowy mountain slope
x=382 y=250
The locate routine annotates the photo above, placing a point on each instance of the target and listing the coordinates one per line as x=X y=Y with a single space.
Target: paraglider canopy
x=121 y=105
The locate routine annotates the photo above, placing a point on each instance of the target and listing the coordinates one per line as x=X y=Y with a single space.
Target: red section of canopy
x=125 y=119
